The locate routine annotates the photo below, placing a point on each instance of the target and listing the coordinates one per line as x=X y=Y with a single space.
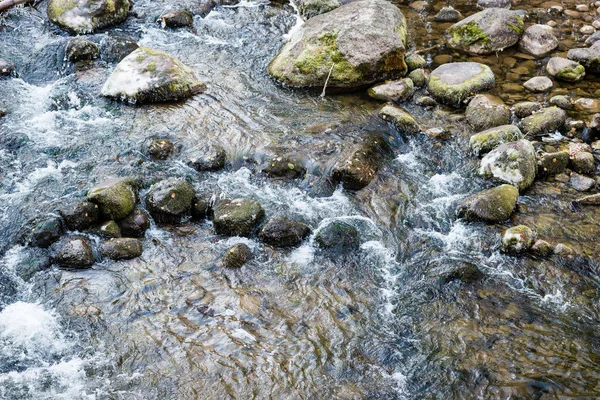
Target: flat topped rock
x=149 y=76
x=86 y=16
x=453 y=83
x=361 y=43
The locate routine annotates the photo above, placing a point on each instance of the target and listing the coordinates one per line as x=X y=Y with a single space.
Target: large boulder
x=489 y=139
x=150 y=76
x=487 y=31
x=491 y=205
x=115 y=197
x=170 y=200
x=453 y=83
x=547 y=120
x=589 y=57
x=513 y=163
x=565 y=69
x=73 y=252
x=359 y=43
x=237 y=217
x=283 y=232
x=400 y=118
x=485 y=111
x=538 y=40
x=121 y=248
x=86 y=16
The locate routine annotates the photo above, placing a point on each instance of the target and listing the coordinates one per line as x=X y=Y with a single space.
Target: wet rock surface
x=170 y=200
x=491 y=205
x=122 y=248
x=86 y=16
x=74 y=252
x=115 y=197
x=237 y=217
x=514 y=163
x=237 y=256
x=283 y=232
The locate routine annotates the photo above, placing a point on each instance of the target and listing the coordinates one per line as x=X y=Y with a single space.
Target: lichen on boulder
x=150 y=76
x=546 y=120
x=565 y=69
x=454 y=82
x=518 y=239
x=360 y=43
x=86 y=16
x=513 y=163
x=489 y=139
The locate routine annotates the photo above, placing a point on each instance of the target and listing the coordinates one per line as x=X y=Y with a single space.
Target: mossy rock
x=397 y=91
x=488 y=140
x=487 y=31
x=551 y=164
x=414 y=61
x=453 y=83
x=565 y=69
x=311 y=8
x=400 y=118
x=150 y=76
x=513 y=163
x=547 y=120
x=86 y=16
x=485 y=111
x=419 y=77
x=170 y=200
x=589 y=57
x=353 y=46
x=491 y=205
x=237 y=217
x=237 y=256
x=116 y=197
x=518 y=239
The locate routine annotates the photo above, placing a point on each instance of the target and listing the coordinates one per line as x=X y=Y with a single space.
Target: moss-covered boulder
x=419 y=77
x=170 y=200
x=236 y=256
x=565 y=69
x=338 y=237
x=518 y=239
x=453 y=83
x=311 y=8
x=359 y=43
x=485 y=111
x=360 y=165
x=283 y=232
x=115 y=197
x=547 y=120
x=121 y=248
x=513 y=163
x=488 y=140
x=150 y=76
x=589 y=57
x=550 y=164
x=400 y=118
x=487 y=31
x=109 y=230
x=86 y=16
x=237 y=217
x=491 y=205
x=79 y=215
x=397 y=91
x=73 y=252
x=538 y=40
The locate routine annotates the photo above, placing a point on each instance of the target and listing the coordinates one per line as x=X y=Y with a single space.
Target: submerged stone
x=41 y=232
x=542 y=248
x=86 y=16
x=207 y=158
x=237 y=256
x=517 y=239
x=116 y=197
x=358 y=170
x=581 y=183
x=485 y=111
x=237 y=217
x=447 y=14
x=338 y=237
x=514 y=163
x=487 y=31
x=565 y=69
x=489 y=139
x=122 y=248
x=160 y=149
x=170 y=200
x=80 y=49
x=359 y=43
x=73 y=252
x=455 y=82
x=538 y=84
x=491 y=205
x=151 y=76
x=283 y=232
x=284 y=167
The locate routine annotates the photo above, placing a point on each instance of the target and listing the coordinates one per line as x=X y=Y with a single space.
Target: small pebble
x=582 y=8
x=587 y=29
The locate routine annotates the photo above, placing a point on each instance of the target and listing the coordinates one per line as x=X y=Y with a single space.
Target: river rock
x=80 y=215
x=284 y=167
x=311 y=8
x=135 y=224
x=338 y=237
x=487 y=31
x=159 y=148
x=237 y=256
x=109 y=230
x=488 y=140
x=73 y=252
x=397 y=91
x=494 y=4
x=565 y=69
x=360 y=43
x=526 y=108
x=562 y=101
x=121 y=248
x=518 y=239
x=358 y=169
x=170 y=200
x=150 y=76
x=547 y=120
x=80 y=49
x=538 y=84
x=237 y=217
x=551 y=164
x=447 y=14
x=115 y=47
x=283 y=232
x=542 y=248
x=491 y=205
x=414 y=61
x=594 y=37
x=583 y=163
x=485 y=111
x=201 y=208
x=513 y=163
x=400 y=118
x=538 y=40
x=177 y=19
x=6 y=68
x=207 y=158
x=419 y=77
x=41 y=232
x=115 y=197
x=589 y=57
x=86 y=16
x=581 y=183
x=453 y=83
x=563 y=250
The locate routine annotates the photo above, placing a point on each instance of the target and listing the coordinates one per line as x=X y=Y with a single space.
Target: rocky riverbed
x=345 y=199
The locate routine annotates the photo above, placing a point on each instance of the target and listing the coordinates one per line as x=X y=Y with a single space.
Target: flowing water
x=388 y=322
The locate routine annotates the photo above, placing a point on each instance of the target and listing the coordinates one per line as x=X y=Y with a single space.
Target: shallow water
x=384 y=323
